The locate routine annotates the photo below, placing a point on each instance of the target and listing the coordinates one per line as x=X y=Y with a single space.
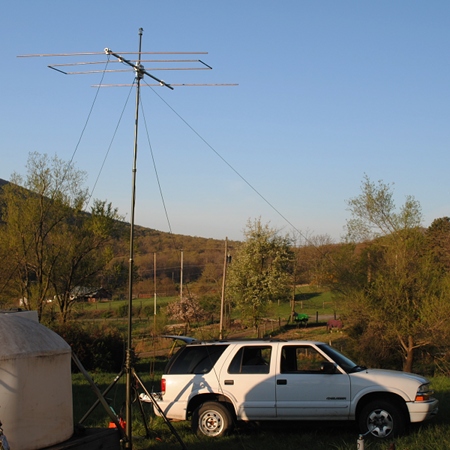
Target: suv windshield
x=347 y=364
x=195 y=359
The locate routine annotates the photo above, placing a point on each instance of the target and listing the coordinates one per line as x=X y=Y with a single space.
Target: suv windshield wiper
x=357 y=369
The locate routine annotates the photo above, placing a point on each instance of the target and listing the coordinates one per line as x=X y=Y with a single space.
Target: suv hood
x=394 y=374
x=388 y=380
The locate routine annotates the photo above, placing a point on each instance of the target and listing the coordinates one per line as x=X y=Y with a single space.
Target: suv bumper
x=420 y=411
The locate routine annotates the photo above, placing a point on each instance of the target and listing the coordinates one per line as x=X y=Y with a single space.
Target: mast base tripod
x=149 y=397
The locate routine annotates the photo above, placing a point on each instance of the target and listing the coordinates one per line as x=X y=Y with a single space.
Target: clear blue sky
x=328 y=91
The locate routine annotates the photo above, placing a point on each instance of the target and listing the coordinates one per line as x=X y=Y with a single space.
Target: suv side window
x=301 y=359
x=251 y=359
x=196 y=359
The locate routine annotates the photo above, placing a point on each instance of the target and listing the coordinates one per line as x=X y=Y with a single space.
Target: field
x=434 y=435
x=315 y=302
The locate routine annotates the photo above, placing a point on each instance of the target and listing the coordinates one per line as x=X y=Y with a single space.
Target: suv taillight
x=163 y=385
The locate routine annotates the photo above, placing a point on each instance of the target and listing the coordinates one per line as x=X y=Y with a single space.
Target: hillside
x=173 y=252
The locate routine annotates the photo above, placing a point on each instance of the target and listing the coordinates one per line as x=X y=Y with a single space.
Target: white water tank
x=35 y=384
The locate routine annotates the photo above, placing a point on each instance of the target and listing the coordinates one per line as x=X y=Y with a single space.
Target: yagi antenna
x=138 y=68
x=76 y=68
x=140 y=73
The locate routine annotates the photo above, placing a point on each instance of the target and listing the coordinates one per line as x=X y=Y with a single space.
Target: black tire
x=382 y=419
x=212 y=419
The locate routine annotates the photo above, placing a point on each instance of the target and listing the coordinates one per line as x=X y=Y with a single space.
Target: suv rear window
x=252 y=359
x=196 y=359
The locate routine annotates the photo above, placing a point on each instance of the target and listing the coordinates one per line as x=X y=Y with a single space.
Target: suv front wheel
x=382 y=419
x=212 y=419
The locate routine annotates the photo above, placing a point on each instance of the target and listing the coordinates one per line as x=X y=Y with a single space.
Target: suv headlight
x=424 y=393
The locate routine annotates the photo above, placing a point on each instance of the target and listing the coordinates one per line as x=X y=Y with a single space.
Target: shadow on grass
x=302 y=296
x=285 y=435
x=292 y=436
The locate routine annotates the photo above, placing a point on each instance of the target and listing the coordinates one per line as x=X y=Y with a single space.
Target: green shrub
x=148 y=310
x=122 y=311
x=99 y=347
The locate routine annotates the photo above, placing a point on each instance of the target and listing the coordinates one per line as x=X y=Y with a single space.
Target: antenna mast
x=140 y=72
x=129 y=352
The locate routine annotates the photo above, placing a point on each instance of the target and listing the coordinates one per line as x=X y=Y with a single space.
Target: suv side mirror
x=328 y=367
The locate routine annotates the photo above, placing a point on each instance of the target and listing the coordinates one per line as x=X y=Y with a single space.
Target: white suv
x=216 y=383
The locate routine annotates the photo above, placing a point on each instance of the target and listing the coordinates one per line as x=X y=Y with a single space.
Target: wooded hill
x=175 y=255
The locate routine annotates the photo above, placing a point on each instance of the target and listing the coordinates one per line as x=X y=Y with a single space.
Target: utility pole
x=181 y=276
x=154 y=294
x=222 y=300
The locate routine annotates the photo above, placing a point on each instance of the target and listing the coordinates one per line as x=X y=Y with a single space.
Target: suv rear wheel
x=212 y=419
x=382 y=419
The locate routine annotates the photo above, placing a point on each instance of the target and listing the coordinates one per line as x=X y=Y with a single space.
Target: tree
x=260 y=272
x=186 y=310
x=33 y=211
x=116 y=275
x=375 y=214
x=400 y=302
x=438 y=235
x=83 y=248
x=313 y=260
x=46 y=234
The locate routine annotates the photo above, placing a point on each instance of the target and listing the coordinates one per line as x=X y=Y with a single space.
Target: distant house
x=89 y=294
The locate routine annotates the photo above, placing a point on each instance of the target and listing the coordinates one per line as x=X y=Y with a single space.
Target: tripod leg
x=144 y=418
x=161 y=412
x=96 y=403
x=100 y=397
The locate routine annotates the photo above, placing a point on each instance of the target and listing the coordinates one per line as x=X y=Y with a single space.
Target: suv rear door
x=248 y=377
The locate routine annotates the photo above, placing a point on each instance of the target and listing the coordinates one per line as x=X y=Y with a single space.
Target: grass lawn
x=432 y=435
x=308 y=300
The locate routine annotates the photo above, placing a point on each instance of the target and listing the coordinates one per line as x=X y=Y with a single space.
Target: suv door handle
x=282 y=381
x=229 y=382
